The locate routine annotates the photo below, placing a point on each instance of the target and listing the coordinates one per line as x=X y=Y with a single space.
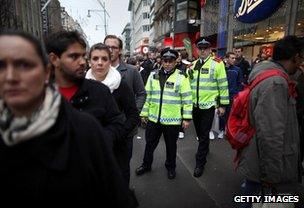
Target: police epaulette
x=183 y=73
x=217 y=59
x=156 y=76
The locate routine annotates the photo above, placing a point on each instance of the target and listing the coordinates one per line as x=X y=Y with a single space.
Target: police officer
x=209 y=91
x=168 y=105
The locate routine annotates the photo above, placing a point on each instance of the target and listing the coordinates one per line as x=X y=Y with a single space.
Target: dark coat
x=131 y=75
x=70 y=164
x=245 y=66
x=148 y=67
x=235 y=80
x=125 y=100
x=96 y=99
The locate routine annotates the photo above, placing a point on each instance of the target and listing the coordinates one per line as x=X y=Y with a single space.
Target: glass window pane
x=299 y=28
x=182 y=5
x=181 y=15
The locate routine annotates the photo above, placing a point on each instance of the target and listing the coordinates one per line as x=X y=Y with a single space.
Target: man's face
x=297 y=63
x=113 y=44
x=204 y=51
x=169 y=64
x=231 y=60
x=72 y=62
x=238 y=52
x=151 y=55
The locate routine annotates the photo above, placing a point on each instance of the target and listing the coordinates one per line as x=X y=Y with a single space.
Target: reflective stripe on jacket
x=212 y=87
x=173 y=104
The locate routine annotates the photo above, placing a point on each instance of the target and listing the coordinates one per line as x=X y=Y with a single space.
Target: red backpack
x=239 y=132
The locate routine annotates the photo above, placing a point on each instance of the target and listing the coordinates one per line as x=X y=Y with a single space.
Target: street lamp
x=93 y=10
x=97 y=26
x=105 y=13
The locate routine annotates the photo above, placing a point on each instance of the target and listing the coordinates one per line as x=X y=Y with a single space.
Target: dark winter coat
x=235 y=80
x=131 y=75
x=96 y=99
x=70 y=164
x=245 y=67
x=125 y=100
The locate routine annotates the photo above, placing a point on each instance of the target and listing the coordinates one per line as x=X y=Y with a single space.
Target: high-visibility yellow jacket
x=171 y=105
x=209 y=83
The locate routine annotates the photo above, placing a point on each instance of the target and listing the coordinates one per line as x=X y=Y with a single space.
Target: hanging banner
x=188 y=47
x=203 y=3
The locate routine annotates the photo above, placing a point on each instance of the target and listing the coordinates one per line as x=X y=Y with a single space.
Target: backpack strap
x=274 y=72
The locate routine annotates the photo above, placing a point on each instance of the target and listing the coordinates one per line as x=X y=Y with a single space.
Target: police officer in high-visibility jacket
x=168 y=105
x=209 y=91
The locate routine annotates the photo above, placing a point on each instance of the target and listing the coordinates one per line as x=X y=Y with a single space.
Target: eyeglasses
x=113 y=47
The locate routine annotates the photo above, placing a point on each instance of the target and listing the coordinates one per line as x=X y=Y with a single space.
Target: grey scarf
x=14 y=130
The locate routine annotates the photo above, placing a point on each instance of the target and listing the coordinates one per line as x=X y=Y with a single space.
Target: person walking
x=168 y=105
x=242 y=63
x=235 y=85
x=131 y=76
x=209 y=85
x=67 y=54
x=101 y=70
x=50 y=153
x=270 y=161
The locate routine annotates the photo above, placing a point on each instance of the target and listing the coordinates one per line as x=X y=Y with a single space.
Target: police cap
x=203 y=42
x=168 y=53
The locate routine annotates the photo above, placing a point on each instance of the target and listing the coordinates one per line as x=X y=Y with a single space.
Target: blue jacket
x=235 y=80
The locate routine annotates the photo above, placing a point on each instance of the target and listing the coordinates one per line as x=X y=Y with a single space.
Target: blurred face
x=151 y=55
x=301 y=67
x=238 y=52
x=263 y=56
x=204 y=51
x=231 y=60
x=169 y=64
x=22 y=75
x=72 y=63
x=100 y=63
x=113 y=44
x=297 y=63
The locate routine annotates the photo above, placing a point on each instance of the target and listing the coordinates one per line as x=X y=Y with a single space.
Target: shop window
x=181 y=6
x=193 y=14
x=181 y=15
x=145 y=2
x=146 y=28
x=145 y=15
x=299 y=27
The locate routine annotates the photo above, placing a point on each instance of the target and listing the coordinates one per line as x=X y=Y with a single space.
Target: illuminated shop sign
x=251 y=11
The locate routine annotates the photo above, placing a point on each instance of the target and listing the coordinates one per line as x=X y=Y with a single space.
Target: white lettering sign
x=247 y=6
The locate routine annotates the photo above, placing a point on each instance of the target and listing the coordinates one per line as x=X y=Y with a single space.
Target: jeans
x=250 y=188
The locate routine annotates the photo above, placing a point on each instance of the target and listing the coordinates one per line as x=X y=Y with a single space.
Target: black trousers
x=203 y=123
x=123 y=154
x=153 y=134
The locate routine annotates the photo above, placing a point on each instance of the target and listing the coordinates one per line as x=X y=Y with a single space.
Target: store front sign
x=251 y=11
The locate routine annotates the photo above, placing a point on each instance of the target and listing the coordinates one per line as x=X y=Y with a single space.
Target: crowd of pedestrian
x=68 y=116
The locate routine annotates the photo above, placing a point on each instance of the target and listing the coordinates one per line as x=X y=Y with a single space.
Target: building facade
x=140 y=25
x=163 y=24
x=229 y=31
x=22 y=15
x=126 y=38
x=26 y=15
x=69 y=24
